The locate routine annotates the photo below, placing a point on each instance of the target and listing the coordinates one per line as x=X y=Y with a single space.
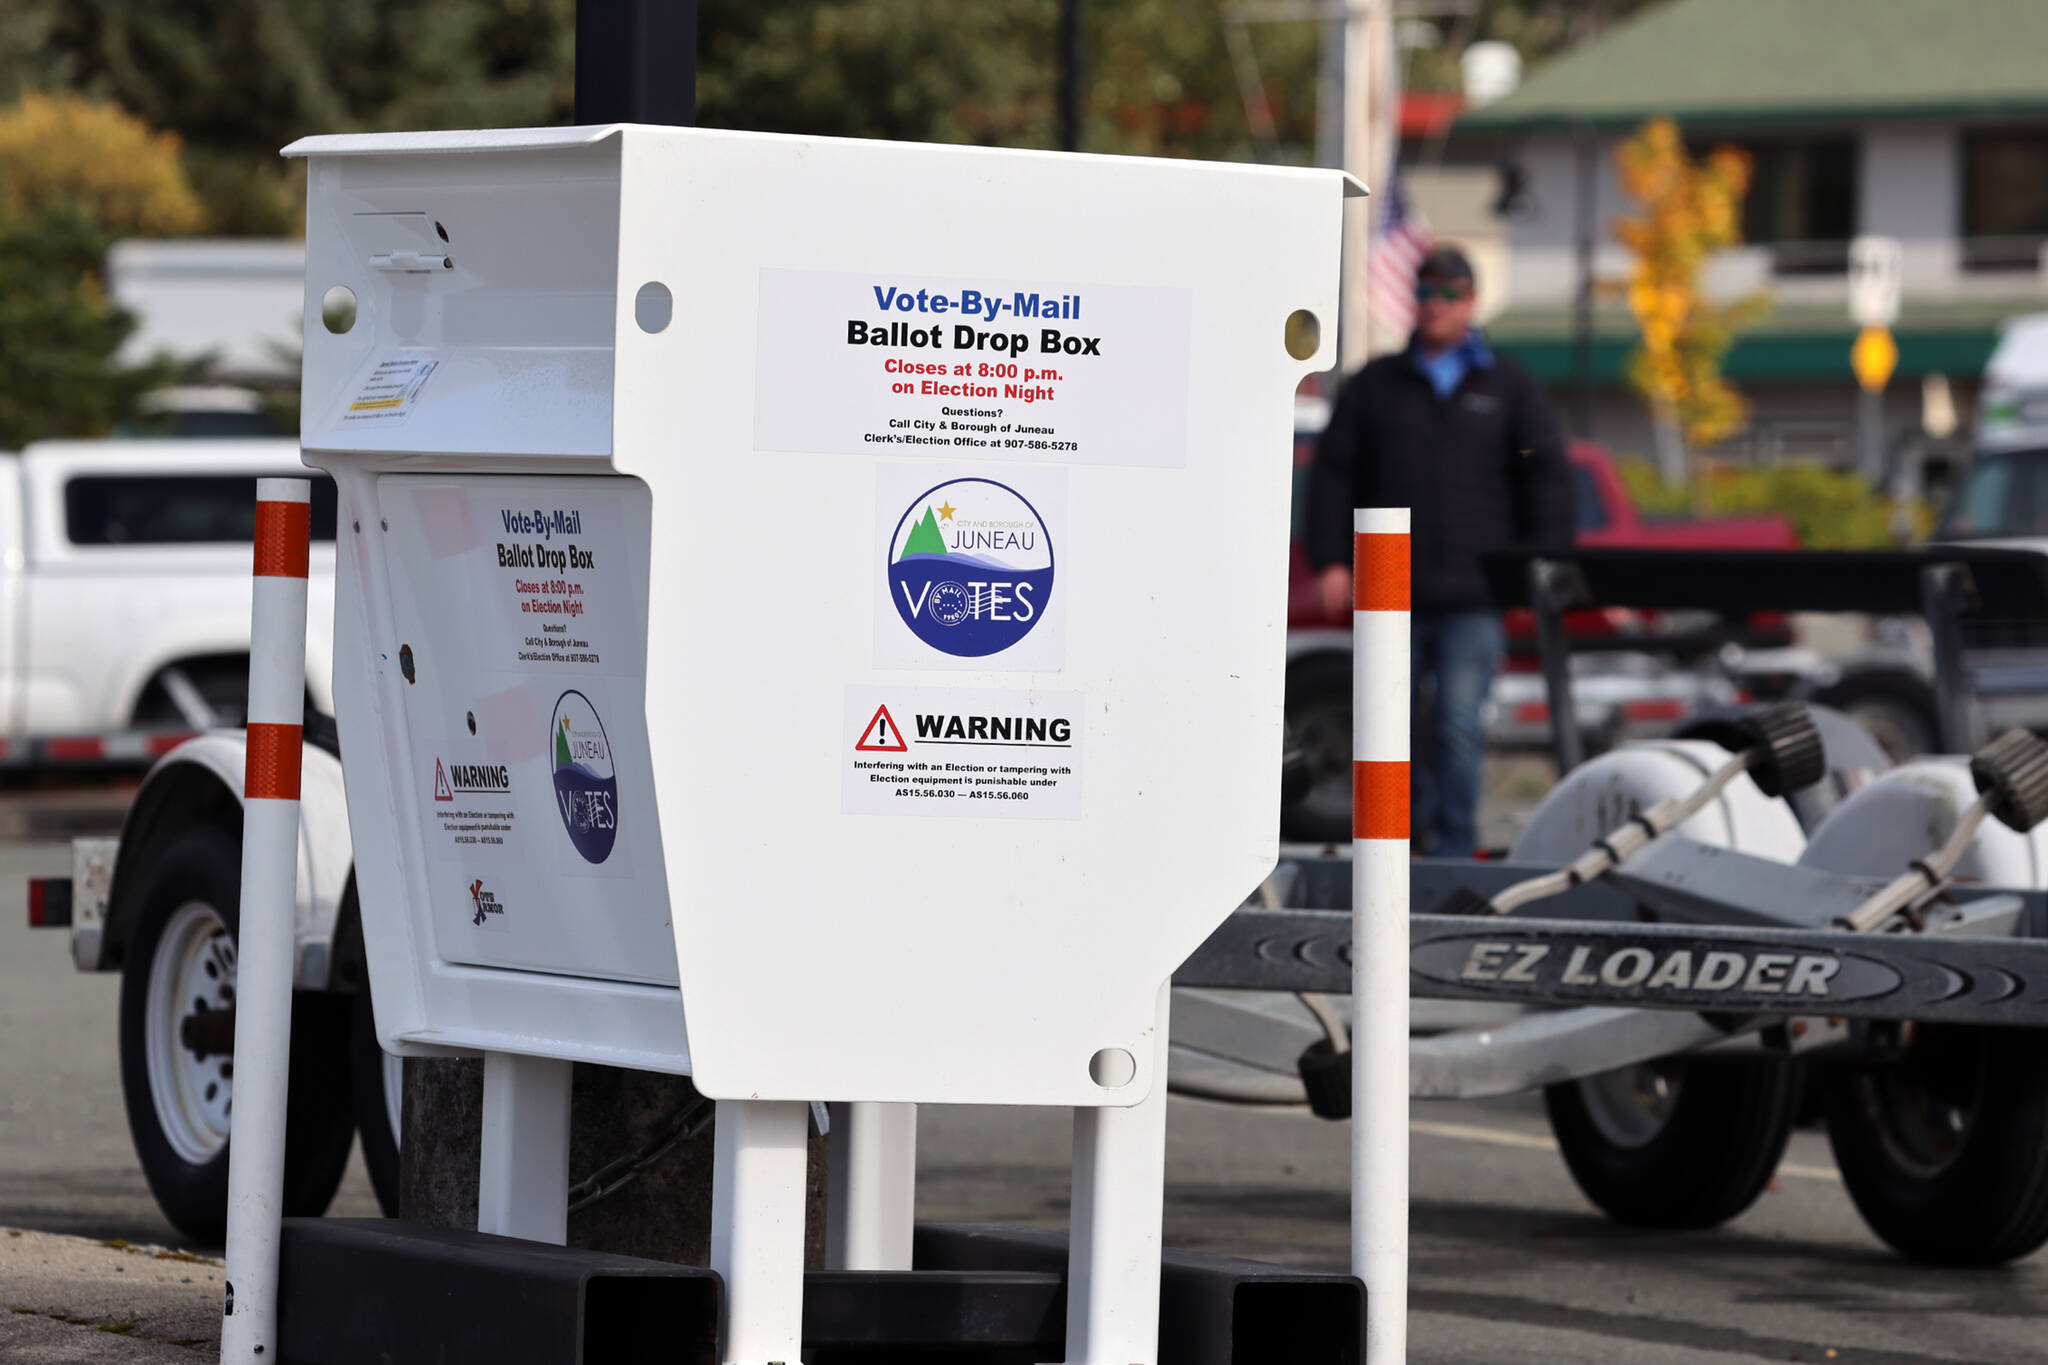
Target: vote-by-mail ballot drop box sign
x=847 y=579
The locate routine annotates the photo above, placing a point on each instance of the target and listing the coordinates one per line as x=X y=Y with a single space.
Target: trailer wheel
x=1318 y=710
x=177 y=986
x=1944 y=1145
x=1682 y=1142
x=377 y=1080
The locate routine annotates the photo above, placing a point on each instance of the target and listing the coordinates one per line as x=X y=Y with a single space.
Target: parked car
x=124 y=585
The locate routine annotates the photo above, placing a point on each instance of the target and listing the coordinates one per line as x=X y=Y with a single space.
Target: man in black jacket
x=1465 y=439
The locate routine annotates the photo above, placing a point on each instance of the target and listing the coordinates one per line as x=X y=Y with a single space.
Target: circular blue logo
x=970 y=567
x=586 y=784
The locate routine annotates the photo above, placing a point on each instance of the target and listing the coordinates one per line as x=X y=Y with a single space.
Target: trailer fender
x=200 y=782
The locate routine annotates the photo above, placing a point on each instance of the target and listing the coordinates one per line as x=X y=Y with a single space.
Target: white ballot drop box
x=844 y=579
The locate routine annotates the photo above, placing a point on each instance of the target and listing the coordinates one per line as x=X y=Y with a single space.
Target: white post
x=522 y=1184
x=264 y=934
x=759 y=1162
x=1114 y=1230
x=871 y=1186
x=1379 y=927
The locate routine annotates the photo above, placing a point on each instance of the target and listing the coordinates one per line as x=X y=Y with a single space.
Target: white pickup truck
x=124 y=629
x=124 y=589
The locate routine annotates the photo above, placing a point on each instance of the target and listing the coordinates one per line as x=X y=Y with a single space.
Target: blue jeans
x=1455 y=657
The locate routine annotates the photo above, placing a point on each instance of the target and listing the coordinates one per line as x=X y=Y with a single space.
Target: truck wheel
x=177 y=1032
x=1682 y=1142
x=377 y=1080
x=221 y=687
x=1895 y=707
x=1944 y=1146
x=1318 y=710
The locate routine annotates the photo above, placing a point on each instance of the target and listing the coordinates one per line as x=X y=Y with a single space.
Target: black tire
x=1944 y=1144
x=1318 y=712
x=1896 y=708
x=224 y=683
x=202 y=867
x=376 y=1119
x=1699 y=1151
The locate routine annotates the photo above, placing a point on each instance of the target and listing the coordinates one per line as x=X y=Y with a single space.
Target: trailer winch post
x=1379 y=935
x=264 y=935
x=1945 y=591
x=1555 y=588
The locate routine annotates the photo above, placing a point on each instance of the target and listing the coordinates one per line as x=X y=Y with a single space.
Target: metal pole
x=760 y=1155
x=1115 y=1224
x=636 y=61
x=522 y=1179
x=1070 y=75
x=1379 y=927
x=1582 y=305
x=264 y=937
x=871 y=1186
x=1870 y=435
x=1368 y=154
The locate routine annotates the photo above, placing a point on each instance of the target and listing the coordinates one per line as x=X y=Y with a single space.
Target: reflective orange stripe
x=1379 y=571
x=1379 y=796
x=273 y=765
x=284 y=534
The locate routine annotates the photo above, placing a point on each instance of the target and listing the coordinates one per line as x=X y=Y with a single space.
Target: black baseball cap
x=1444 y=263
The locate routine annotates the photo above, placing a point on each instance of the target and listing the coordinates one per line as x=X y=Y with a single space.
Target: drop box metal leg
x=871 y=1188
x=759 y=1161
x=522 y=1186
x=1113 y=1249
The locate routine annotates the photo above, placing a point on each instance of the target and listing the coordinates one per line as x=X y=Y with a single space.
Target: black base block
x=352 y=1290
x=355 y=1290
x=1213 y=1310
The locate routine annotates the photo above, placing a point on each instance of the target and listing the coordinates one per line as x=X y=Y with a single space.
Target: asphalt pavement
x=1510 y=1264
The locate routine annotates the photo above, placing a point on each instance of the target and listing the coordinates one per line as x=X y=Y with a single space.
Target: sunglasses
x=1450 y=291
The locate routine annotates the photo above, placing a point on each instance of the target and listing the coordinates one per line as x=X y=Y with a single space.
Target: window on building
x=2005 y=198
x=1801 y=200
x=173 y=509
x=1802 y=203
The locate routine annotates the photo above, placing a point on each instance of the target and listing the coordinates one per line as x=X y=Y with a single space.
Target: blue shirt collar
x=1473 y=350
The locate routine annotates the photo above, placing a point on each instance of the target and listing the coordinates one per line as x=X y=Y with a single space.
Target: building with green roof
x=1922 y=120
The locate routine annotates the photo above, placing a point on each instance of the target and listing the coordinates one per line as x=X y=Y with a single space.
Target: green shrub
x=1830 y=509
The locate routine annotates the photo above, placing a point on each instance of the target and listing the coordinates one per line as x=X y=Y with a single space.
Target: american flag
x=1398 y=247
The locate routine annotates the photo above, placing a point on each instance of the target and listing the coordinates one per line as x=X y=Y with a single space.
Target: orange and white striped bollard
x=264 y=936
x=1379 y=926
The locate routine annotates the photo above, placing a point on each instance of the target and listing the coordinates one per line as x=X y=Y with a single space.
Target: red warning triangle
x=441 y=792
x=882 y=735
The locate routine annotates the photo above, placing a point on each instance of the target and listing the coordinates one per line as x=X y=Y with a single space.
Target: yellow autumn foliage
x=62 y=149
x=1689 y=208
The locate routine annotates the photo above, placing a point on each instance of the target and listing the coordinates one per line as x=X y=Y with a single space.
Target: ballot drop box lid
x=846 y=580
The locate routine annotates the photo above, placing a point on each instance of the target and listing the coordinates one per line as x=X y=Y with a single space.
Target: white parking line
x=1503 y=1137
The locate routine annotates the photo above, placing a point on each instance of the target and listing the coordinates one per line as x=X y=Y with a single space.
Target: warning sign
x=969 y=752
x=441 y=792
x=881 y=736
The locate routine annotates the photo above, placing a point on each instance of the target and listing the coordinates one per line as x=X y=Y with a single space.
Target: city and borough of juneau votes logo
x=970 y=567
x=586 y=785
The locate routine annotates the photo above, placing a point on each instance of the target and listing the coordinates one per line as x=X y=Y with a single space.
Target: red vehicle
x=1604 y=512
x=1640 y=701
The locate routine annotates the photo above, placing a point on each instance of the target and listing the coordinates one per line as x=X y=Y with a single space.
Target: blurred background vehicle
x=124 y=590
